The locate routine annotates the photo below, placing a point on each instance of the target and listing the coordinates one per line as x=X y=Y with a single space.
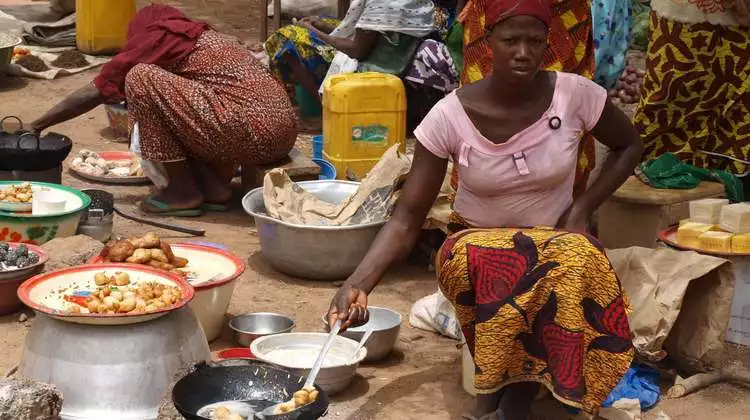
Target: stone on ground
x=22 y=399
x=70 y=251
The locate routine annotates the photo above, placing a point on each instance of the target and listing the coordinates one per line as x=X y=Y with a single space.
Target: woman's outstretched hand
x=349 y=305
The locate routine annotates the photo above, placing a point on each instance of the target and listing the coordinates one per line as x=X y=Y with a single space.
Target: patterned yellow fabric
x=538 y=305
x=696 y=93
x=312 y=51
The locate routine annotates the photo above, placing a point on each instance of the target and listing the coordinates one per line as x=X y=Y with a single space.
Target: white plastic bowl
x=332 y=379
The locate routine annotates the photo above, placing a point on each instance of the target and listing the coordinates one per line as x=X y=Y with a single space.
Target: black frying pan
x=253 y=380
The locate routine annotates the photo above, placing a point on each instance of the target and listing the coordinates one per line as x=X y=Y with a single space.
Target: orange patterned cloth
x=539 y=305
x=571 y=50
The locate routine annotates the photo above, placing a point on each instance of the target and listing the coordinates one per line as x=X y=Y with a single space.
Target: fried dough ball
x=121 y=279
x=167 y=250
x=121 y=251
x=116 y=295
x=140 y=256
x=110 y=303
x=93 y=306
x=128 y=305
x=179 y=262
x=305 y=396
x=149 y=240
x=101 y=279
x=159 y=255
x=286 y=407
x=160 y=265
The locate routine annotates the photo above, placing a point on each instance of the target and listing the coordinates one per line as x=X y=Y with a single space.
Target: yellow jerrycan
x=102 y=25
x=364 y=114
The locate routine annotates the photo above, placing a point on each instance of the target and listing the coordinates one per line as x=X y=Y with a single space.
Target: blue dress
x=611 y=39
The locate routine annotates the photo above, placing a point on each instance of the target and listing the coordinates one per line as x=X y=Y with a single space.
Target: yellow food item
x=118 y=296
x=19 y=193
x=716 y=241
x=300 y=398
x=735 y=218
x=685 y=221
x=741 y=243
x=707 y=210
x=689 y=233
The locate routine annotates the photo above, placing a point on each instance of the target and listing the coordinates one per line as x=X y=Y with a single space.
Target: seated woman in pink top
x=537 y=298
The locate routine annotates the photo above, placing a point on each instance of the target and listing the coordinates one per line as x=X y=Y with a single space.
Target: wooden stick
x=686 y=386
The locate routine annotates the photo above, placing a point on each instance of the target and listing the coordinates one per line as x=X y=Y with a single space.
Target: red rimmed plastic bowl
x=213 y=274
x=235 y=353
x=10 y=280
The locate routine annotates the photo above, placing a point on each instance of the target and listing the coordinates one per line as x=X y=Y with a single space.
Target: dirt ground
x=421 y=380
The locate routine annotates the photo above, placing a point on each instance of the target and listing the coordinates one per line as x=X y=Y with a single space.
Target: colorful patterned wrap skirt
x=696 y=94
x=538 y=305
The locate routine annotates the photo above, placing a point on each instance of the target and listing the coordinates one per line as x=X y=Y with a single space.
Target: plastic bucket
x=327 y=170
x=309 y=107
x=318 y=147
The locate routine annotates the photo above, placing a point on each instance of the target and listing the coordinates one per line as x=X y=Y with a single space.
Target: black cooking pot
x=240 y=381
x=26 y=151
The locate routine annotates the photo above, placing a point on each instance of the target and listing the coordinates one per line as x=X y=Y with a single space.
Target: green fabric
x=455 y=43
x=392 y=54
x=639 y=25
x=668 y=172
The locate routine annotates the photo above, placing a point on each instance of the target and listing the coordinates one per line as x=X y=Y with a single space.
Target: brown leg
x=486 y=404
x=517 y=399
x=181 y=192
x=213 y=181
x=301 y=75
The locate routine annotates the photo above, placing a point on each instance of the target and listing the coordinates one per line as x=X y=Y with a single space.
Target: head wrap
x=499 y=10
x=157 y=34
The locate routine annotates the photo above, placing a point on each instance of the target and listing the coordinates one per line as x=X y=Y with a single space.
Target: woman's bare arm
x=77 y=103
x=399 y=235
x=358 y=47
x=615 y=131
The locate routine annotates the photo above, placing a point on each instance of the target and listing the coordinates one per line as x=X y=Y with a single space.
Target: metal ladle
x=273 y=411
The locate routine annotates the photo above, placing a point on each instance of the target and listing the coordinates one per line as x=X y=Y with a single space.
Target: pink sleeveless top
x=528 y=180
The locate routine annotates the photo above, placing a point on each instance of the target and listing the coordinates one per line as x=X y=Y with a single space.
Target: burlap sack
x=287 y=201
x=681 y=303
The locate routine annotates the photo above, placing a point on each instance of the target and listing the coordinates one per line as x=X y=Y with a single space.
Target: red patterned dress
x=219 y=105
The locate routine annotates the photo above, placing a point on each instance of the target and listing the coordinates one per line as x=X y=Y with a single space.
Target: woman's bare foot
x=181 y=191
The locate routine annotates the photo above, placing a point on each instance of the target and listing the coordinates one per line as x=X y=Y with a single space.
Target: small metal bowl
x=248 y=327
x=386 y=325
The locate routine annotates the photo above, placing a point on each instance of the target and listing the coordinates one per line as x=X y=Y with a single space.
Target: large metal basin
x=312 y=252
x=112 y=372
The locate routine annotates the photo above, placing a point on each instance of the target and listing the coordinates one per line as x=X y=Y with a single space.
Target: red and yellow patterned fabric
x=538 y=305
x=571 y=50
